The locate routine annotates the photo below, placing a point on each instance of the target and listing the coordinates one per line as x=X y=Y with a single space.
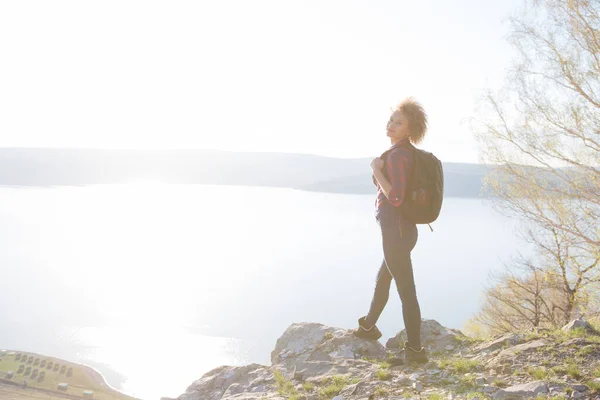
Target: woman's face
x=397 y=126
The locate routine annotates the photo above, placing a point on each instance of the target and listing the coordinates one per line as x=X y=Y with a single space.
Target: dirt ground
x=10 y=392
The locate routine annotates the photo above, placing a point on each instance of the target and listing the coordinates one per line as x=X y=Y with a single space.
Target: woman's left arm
x=397 y=167
x=377 y=165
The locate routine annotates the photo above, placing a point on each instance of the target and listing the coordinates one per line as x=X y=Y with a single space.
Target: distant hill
x=49 y=167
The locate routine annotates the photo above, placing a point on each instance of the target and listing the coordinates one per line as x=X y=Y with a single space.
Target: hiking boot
x=364 y=332
x=413 y=356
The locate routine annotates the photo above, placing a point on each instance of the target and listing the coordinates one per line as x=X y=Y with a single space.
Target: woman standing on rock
x=407 y=126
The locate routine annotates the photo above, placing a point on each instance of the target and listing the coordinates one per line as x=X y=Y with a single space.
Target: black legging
x=399 y=238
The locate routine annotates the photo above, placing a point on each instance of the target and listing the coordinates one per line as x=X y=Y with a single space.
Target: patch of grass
x=467 y=383
x=529 y=336
x=436 y=396
x=473 y=395
x=559 y=370
x=596 y=372
x=436 y=354
x=446 y=382
x=383 y=375
x=594 y=387
x=574 y=372
x=569 y=390
x=561 y=336
x=328 y=335
x=458 y=365
x=308 y=386
x=468 y=340
x=539 y=373
x=586 y=351
x=381 y=391
x=545 y=363
x=384 y=365
x=334 y=386
x=285 y=386
x=497 y=382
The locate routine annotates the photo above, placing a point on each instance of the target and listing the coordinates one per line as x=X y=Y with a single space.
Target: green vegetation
x=499 y=383
x=473 y=395
x=436 y=396
x=285 y=387
x=381 y=391
x=574 y=372
x=539 y=373
x=594 y=387
x=458 y=365
x=383 y=375
x=467 y=383
x=333 y=386
x=586 y=351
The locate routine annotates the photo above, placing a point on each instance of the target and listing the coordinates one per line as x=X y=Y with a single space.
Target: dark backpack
x=425 y=188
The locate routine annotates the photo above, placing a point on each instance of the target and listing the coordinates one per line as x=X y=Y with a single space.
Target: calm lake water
x=155 y=284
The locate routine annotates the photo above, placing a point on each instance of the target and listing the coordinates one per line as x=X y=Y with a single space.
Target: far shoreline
x=95 y=376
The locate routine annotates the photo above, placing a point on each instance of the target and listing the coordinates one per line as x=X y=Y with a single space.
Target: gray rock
x=580 y=388
x=507 y=357
x=315 y=370
x=223 y=382
x=578 y=395
x=338 y=397
x=433 y=336
x=480 y=381
x=488 y=389
x=418 y=386
x=580 y=323
x=531 y=389
x=510 y=339
x=316 y=342
x=576 y=342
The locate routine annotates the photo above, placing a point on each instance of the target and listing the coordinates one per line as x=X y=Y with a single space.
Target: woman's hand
x=377 y=164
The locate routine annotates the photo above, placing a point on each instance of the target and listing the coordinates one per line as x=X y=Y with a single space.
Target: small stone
x=338 y=397
x=414 y=377
x=487 y=389
x=418 y=386
x=449 y=347
x=578 y=395
x=480 y=381
x=580 y=388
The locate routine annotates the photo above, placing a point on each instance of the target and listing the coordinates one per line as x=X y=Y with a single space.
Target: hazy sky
x=264 y=75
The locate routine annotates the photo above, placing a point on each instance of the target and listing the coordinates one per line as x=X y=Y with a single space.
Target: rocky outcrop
x=315 y=362
x=434 y=336
x=301 y=344
x=580 y=324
